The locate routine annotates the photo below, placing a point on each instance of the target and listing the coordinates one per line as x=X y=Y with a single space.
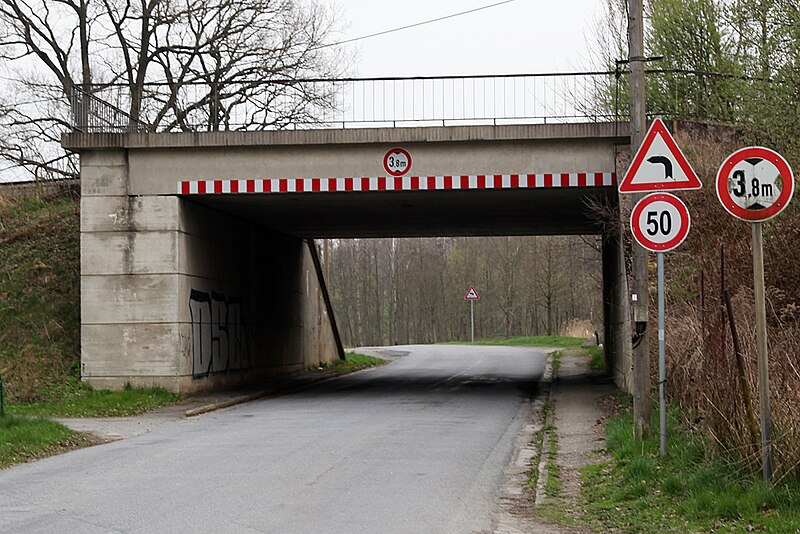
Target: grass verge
x=688 y=491
x=555 y=361
x=353 y=361
x=556 y=342
x=83 y=401
x=597 y=357
x=23 y=439
x=39 y=295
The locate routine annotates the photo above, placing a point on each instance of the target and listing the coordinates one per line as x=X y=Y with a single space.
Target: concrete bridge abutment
x=182 y=296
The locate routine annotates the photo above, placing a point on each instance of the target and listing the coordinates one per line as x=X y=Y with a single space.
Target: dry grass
x=39 y=297
x=702 y=373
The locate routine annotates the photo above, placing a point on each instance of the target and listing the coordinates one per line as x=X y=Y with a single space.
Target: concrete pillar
x=616 y=312
x=130 y=279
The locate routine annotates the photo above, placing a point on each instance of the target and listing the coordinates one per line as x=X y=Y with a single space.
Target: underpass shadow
x=420 y=385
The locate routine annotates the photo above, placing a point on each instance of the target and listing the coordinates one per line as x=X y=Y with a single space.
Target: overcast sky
x=522 y=36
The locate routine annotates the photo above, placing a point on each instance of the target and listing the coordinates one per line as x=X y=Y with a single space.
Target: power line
x=415 y=25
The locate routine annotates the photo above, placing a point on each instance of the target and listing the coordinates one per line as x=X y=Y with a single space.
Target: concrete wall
x=178 y=295
x=157 y=171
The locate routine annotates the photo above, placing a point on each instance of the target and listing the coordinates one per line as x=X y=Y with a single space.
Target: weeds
x=39 y=296
x=352 y=362
x=23 y=439
x=597 y=358
x=689 y=490
x=703 y=377
x=555 y=360
x=83 y=401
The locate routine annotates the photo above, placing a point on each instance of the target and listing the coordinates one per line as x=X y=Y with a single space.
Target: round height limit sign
x=755 y=184
x=397 y=161
x=660 y=222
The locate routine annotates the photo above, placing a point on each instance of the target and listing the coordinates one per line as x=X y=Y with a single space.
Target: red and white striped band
x=400 y=183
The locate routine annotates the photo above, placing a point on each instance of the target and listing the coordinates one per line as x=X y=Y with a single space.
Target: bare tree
x=412 y=290
x=181 y=65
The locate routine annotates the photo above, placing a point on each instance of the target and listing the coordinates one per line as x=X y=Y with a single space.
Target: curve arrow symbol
x=666 y=162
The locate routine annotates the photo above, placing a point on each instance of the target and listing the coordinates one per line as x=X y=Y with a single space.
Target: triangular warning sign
x=659 y=165
x=472 y=294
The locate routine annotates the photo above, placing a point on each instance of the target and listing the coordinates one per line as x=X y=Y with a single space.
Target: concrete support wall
x=616 y=313
x=177 y=295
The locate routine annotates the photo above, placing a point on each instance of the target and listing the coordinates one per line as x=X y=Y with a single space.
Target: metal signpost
x=755 y=184
x=660 y=222
x=472 y=296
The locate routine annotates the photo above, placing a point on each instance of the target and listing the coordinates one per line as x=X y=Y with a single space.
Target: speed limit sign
x=660 y=222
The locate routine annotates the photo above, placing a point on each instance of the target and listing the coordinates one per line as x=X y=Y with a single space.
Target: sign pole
x=755 y=184
x=662 y=373
x=761 y=340
x=472 y=321
x=659 y=223
x=472 y=296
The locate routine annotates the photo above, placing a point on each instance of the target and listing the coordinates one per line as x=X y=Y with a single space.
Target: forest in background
x=390 y=291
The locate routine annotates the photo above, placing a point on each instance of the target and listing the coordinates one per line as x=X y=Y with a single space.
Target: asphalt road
x=418 y=446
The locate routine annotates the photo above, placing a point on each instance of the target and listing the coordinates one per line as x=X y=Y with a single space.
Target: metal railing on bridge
x=390 y=102
x=342 y=103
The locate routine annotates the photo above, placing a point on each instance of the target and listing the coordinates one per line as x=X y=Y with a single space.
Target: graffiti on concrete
x=219 y=337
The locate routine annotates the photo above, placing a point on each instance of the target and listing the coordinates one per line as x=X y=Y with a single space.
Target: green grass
x=552 y=486
x=39 y=295
x=556 y=342
x=556 y=360
x=352 y=362
x=538 y=441
x=83 y=401
x=688 y=491
x=596 y=358
x=23 y=439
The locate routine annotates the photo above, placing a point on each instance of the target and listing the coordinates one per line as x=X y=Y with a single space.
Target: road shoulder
x=565 y=433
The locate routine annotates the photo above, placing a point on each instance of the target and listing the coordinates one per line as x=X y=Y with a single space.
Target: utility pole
x=640 y=296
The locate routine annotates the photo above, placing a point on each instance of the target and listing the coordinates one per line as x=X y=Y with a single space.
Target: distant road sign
x=472 y=294
x=397 y=161
x=755 y=184
x=659 y=165
x=660 y=222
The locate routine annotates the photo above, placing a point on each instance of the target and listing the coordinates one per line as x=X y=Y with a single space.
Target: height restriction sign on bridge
x=659 y=165
x=397 y=161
